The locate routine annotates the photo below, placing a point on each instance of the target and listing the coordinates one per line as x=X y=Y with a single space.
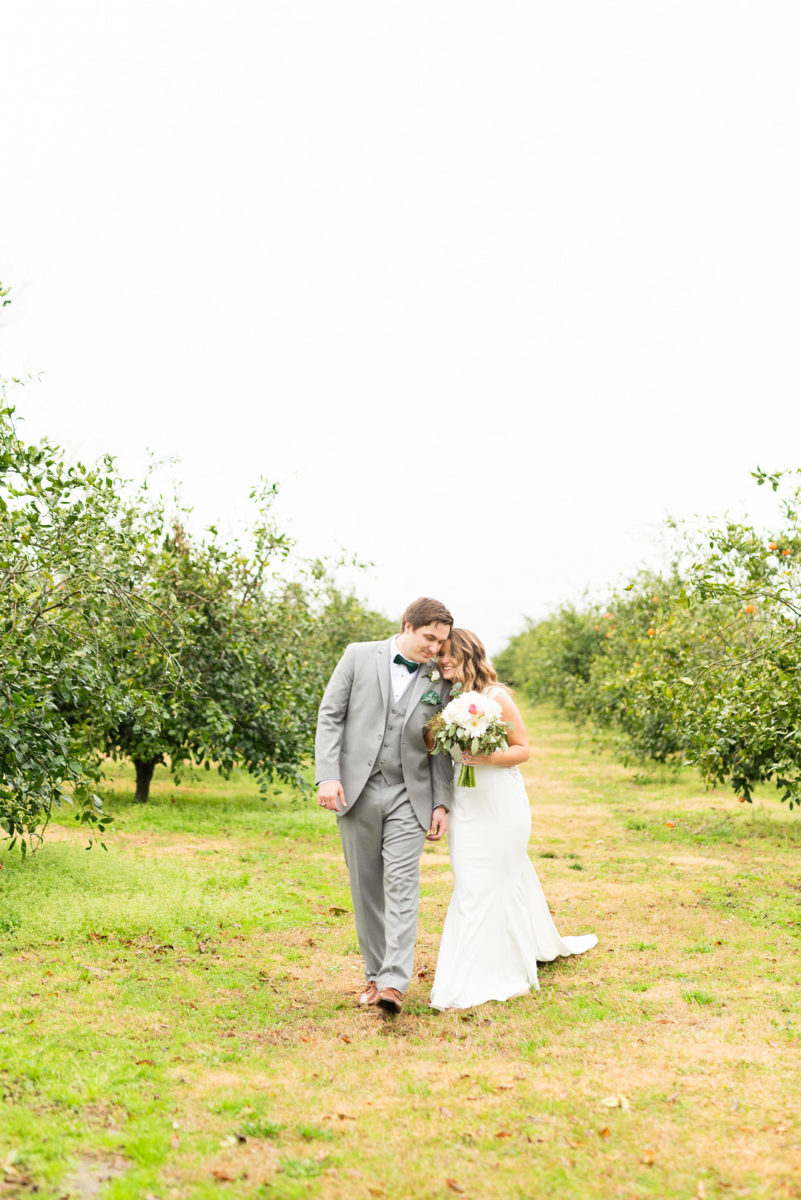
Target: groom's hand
x=439 y=824
x=330 y=795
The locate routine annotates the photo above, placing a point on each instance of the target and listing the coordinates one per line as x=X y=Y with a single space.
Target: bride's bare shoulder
x=498 y=687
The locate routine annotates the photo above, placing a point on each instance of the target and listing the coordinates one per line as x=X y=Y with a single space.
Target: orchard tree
x=65 y=568
x=253 y=632
x=748 y=729
x=343 y=619
x=700 y=666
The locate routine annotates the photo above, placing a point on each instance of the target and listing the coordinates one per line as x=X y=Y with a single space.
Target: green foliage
x=65 y=563
x=254 y=632
x=553 y=658
x=697 y=666
x=344 y=619
x=235 y=630
x=122 y=634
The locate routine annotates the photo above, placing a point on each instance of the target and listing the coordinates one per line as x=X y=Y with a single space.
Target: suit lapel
x=417 y=687
x=382 y=665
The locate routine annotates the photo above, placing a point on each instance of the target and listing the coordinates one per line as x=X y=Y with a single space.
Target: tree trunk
x=144 y=774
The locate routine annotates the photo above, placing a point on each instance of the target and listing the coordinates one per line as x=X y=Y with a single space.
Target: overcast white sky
x=488 y=288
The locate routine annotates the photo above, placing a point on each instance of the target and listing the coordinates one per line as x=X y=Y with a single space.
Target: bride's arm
x=518 y=751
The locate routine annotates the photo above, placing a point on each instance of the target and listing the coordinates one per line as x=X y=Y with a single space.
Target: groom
x=373 y=770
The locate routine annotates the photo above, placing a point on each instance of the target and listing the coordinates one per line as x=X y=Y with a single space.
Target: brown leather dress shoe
x=390 y=999
x=370 y=993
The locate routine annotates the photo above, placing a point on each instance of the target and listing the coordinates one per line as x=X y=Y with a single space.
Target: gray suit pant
x=382 y=840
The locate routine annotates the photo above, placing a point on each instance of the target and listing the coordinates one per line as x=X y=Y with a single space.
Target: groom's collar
x=394 y=648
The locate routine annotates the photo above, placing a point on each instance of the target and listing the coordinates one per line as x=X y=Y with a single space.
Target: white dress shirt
x=399 y=675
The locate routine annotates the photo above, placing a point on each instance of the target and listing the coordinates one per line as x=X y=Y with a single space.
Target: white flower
x=472 y=712
x=477 y=723
x=434 y=676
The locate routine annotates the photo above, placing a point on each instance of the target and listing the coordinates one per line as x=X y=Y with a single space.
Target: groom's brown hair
x=425 y=611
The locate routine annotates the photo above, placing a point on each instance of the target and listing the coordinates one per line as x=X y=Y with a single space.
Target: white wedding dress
x=498 y=926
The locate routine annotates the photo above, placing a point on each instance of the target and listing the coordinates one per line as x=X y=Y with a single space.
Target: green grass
x=177 y=1016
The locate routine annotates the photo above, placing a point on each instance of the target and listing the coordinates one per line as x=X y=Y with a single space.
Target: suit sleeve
x=331 y=720
x=442 y=780
x=442 y=772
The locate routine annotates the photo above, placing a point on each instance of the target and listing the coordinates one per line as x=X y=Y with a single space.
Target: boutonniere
x=434 y=675
x=431 y=698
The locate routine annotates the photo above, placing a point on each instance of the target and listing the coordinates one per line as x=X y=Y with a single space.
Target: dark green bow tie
x=411 y=667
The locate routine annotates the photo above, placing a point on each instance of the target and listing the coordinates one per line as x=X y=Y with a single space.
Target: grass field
x=177 y=1015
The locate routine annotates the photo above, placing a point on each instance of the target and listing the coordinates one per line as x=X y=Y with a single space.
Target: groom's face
x=424 y=643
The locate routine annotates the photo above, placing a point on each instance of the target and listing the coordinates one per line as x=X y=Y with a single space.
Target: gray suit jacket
x=351 y=722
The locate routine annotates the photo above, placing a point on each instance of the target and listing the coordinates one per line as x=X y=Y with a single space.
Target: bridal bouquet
x=471 y=723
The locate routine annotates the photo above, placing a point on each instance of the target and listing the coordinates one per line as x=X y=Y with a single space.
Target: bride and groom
x=374 y=771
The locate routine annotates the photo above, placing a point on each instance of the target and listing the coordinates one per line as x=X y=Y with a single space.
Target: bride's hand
x=476 y=760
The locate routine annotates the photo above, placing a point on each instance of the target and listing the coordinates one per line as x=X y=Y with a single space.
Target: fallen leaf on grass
x=145 y=1062
x=619 y=1101
x=13 y=1174
x=454 y=1186
x=605 y=1132
x=648 y=1157
x=224 y=1174
x=343 y=1037
x=336 y=911
x=502 y=1133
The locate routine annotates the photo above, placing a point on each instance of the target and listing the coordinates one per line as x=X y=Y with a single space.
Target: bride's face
x=447 y=662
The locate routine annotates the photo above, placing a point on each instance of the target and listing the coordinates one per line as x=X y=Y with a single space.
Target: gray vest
x=388 y=764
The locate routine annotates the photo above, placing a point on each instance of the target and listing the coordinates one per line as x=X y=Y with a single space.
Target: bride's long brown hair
x=473 y=669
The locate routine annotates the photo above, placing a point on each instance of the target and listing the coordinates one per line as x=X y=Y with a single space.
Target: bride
x=498 y=924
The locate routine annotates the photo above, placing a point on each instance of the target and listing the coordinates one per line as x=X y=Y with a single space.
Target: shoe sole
x=390 y=1006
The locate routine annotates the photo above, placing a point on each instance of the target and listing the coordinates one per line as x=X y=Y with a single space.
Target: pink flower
x=472 y=709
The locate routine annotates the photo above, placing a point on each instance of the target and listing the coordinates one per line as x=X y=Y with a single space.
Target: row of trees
x=122 y=634
x=698 y=665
